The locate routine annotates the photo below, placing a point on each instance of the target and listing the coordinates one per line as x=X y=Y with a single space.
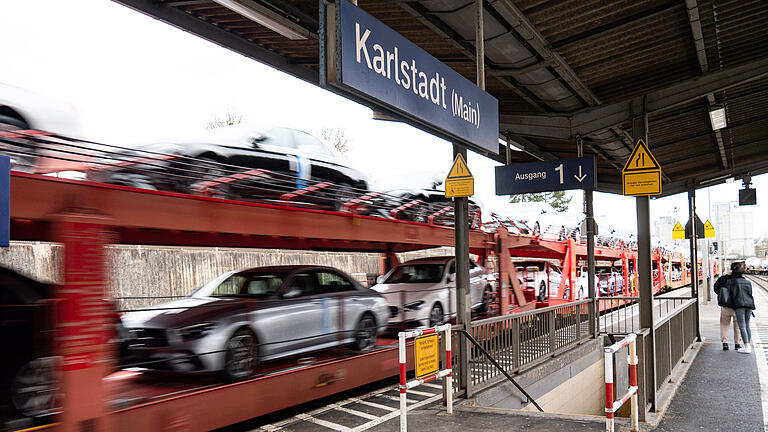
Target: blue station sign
x=370 y=60
x=545 y=176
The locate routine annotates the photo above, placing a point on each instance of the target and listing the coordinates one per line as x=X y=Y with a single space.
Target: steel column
x=644 y=269
x=463 y=315
x=594 y=328
x=694 y=256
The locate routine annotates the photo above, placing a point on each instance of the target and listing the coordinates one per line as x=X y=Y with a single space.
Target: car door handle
x=316 y=301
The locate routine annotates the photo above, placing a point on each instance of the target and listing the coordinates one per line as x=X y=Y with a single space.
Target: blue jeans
x=742 y=316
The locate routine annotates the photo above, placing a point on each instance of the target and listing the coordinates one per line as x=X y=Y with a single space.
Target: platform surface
x=722 y=389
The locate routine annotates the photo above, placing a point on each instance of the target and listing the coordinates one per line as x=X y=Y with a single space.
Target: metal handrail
x=528 y=313
x=499 y=367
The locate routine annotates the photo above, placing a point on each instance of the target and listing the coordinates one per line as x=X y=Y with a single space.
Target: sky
x=133 y=79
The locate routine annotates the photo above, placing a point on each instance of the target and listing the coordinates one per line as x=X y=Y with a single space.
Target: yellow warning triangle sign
x=641 y=159
x=708 y=225
x=459 y=169
x=678 y=232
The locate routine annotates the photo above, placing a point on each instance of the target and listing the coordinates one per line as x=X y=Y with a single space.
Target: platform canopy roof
x=561 y=69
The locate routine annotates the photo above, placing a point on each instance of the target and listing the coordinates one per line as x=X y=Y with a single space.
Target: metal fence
x=674 y=333
x=521 y=341
x=621 y=315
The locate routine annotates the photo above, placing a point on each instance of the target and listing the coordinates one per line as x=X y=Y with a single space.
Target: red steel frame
x=85 y=216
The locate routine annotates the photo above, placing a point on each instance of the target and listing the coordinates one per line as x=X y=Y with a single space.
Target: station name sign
x=370 y=60
x=544 y=176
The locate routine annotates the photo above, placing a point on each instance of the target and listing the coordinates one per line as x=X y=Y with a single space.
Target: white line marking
x=421 y=393
x=375 y=405
x=394 y=414
x=329 y=425
x=762 y=366
x=357 y=413
x=397 y=398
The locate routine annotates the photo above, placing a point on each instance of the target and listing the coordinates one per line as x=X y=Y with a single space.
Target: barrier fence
x=520 y=341
x=612 y=404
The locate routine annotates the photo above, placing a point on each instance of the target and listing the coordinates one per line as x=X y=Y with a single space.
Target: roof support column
x=694 y=255
x=644 y=270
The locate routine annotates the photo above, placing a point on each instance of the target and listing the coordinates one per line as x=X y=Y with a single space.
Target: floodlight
x=717 y=116
x=267 y=18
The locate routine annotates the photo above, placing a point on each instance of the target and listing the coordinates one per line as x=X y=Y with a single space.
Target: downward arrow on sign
x=581 y=176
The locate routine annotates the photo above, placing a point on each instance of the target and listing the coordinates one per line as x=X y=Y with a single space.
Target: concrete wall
x=571 y=383
x=159 y=272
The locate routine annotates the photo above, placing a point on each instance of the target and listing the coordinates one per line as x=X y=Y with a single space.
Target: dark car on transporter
x=291 y=159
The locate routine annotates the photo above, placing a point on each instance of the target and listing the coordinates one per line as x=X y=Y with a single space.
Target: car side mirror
x=380 y=279
x=291 y=293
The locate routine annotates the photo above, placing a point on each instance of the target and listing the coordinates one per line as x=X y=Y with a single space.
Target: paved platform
x=722 y=389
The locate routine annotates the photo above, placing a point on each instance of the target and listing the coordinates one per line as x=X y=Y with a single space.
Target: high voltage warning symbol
x=459 y=182
x=642 y=173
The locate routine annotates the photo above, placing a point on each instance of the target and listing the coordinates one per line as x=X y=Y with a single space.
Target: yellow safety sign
x=459 y=182
x=427 y=350
x=709 y=230
x=678 y=232
x=641 y=174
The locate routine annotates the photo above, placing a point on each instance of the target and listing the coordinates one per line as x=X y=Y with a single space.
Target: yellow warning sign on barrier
x=678 y=232
x=427 y=353
x=709 y=230
x=460 y=182
x=641 y=174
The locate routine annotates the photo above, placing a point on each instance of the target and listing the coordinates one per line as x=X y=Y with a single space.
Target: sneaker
x=746 y=350
x=736 y=347
x=725 y=346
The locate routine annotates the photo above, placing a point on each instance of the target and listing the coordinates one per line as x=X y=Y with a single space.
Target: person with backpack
x=727 y=314
x=742 y=302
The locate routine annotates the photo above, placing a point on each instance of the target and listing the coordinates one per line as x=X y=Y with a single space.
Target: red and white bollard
x=447 y=372
x=611 y=406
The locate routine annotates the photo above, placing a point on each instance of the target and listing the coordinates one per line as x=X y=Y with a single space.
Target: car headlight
x=414 y=306
x=196 y=331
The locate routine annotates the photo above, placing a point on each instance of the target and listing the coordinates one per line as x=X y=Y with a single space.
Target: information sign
x=641 y=174
x=459 y=182
x=370 y=61
x=545 y=176
x=709 y=229
x=678 y=232
x=427 y=353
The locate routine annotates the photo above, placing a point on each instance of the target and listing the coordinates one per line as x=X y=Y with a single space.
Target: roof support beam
x=220 y=36
x=535 y=39
x=603 y=117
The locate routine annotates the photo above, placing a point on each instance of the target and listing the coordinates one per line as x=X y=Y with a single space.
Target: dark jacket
x=741 y=292
x=720 y=282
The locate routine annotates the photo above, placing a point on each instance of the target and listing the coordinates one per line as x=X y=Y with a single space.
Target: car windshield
x=417 y=273
x=231 y=284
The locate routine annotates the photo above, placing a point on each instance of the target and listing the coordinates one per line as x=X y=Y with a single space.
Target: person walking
x=727 y=315
x=742 y=302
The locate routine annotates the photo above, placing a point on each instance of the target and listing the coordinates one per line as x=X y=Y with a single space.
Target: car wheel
x=487 y=294
x=240 y=355
x=436 y=315
x=542 y=292
x=207 y=169
x=343 y=193
x=365 y=334
x=35 y=390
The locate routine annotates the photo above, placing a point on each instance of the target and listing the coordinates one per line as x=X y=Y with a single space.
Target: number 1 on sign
x=560 y=170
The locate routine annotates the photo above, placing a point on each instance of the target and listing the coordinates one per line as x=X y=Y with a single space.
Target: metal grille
x=520 y=341
x=148 y=337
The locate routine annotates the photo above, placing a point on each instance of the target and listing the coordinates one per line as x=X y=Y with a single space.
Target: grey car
x=244 y=317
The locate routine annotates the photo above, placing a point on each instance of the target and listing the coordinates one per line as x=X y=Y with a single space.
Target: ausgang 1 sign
x=369 y=59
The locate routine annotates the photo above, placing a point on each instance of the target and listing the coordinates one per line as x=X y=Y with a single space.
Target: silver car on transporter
x=241 y=318
x=422 y=292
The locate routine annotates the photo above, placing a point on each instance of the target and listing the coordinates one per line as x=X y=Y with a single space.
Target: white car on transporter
x=422 y=292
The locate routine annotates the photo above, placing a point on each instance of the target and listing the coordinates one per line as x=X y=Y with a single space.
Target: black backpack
x=725 y=297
